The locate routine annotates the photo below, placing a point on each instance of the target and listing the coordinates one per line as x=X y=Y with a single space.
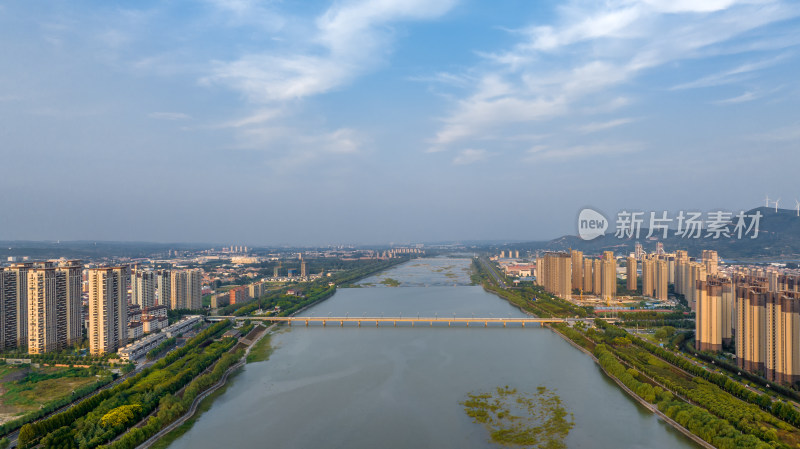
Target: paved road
x=488 y=267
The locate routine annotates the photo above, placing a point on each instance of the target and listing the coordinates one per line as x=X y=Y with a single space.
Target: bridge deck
x=394 y=320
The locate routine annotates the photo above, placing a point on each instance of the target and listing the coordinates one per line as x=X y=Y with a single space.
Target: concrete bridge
x=340 y=321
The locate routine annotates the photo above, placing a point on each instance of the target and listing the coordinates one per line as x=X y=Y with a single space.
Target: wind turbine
x=798 y=207
x=776 y=205
x=767 y=201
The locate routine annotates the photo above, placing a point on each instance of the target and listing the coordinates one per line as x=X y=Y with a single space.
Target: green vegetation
x=204 y=405
x=261 y=351
x=709 y=404
x=716 y=431
x=35 y=392
x=389 y=282
x=664 y=333
x=163 y=346
x=99 y=419
x=536 y=420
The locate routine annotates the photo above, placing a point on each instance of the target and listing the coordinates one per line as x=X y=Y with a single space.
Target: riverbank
x=169 y=432
x=632 y=394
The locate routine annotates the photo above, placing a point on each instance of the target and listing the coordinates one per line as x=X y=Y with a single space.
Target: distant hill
x=778 y=239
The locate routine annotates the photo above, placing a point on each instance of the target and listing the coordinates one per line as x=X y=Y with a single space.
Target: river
x=401 y=387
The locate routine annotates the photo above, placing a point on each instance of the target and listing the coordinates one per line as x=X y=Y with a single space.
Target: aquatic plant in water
x=517 y=419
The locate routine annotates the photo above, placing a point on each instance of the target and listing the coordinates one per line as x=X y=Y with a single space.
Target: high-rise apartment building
x=9 y=335
x=555 y=274
x=661 y=279
x=163 y=288
x=143 y=288
x=20 y=272
x=577 y=269
x=608 y=287
x=588 y=278
x=709 y=319
x=54 y=306
x=186 y=290
x=46 y=304
x=597 y=276
x=108 y=309
x=633 y=280
x=751 y=335
x=648 y=277
x=711 y=261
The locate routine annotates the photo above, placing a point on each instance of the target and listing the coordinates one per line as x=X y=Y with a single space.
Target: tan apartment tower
x=608 y=288
x=555 y=274
x=577 y=269
x=108 y=309
x=633 y=280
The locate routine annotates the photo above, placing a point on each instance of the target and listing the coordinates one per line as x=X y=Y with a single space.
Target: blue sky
x=373 y=121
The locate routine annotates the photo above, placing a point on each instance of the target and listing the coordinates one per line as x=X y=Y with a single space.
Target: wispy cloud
x=169 y=116
x=736 y=74
x=470 y=156
x=602 y=126
x=348 y=40
x=743 y=98
x=560 y=153
x=582 y=62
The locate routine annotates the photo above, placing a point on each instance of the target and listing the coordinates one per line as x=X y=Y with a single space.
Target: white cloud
x=347 y=40
x=743 y=98
x=560 y=153
x=730 y=76
x=602 y=126
x=581 y=63
x=470 y=156
x=169 y=116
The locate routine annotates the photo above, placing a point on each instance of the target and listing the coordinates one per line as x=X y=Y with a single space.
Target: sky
x=378 y=121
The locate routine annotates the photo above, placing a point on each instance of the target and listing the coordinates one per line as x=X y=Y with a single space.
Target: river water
x=401 y=387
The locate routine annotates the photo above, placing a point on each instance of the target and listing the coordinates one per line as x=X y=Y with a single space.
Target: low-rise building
x=182 y=326
x=156 y=311
x=135 y=330
x=154 y=323
x=138 y=349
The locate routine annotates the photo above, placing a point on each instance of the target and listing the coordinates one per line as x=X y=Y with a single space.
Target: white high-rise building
x=143 y=288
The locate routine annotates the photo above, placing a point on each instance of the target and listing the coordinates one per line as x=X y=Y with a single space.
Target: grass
x=20 y=395
x=261 y=351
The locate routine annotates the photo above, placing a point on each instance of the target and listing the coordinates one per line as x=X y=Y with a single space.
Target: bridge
x=341 y=321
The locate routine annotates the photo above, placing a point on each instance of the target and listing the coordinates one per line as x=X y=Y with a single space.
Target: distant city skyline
x=369 y=122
